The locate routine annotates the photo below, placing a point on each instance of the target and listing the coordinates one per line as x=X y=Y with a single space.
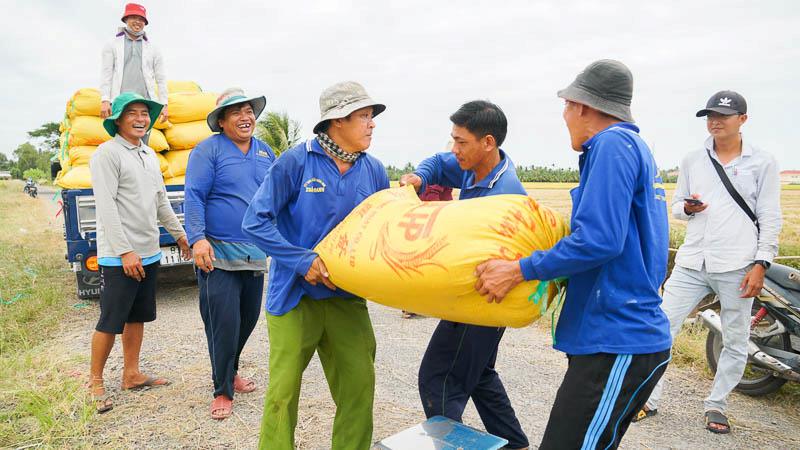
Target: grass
x=40 y=403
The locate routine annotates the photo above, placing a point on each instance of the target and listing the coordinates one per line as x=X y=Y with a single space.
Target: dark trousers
x=230 y=304
x=459 y=365
x=598 y=398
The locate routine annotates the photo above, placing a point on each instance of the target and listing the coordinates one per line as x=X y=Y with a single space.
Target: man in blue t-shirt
x=611 y=328
x=460 y=359
x=306 y=193
x=223 y=174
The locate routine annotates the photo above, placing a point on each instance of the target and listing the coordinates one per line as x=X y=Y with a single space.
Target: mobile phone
x=693 y=201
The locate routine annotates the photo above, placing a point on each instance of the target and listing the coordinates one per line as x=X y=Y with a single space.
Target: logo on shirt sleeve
x=658 y=186
x=263 y=153
x=314 y=185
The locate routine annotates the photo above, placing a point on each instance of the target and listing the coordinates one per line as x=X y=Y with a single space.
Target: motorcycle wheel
x=33 y=194
x=756 y=380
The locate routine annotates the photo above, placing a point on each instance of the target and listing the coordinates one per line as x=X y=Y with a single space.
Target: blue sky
x=424 y=59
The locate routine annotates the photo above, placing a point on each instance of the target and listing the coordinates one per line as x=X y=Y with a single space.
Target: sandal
x=149 y=382
x=644 y=413
x=717 y=418
x=102 y=402
x=243 y=385
x=221 y=407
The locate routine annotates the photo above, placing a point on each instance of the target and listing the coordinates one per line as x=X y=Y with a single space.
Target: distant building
x=4 y=175
x=790 y=177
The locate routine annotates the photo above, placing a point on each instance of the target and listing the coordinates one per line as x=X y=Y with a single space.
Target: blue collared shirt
x=302 y=198
x=443 y=169
x=616 y=255
x=220 y=182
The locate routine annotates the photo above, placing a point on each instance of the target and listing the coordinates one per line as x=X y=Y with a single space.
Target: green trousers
x=340 y=330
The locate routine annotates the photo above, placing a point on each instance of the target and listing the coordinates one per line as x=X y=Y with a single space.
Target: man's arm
x=600 y=225
x=199 y=180
x=768 y=211
x=166 y=215
x=106 y=77
x=441 y=169
x=682 y=191
x=105 y=182
x=161 y=78
x=279 y=185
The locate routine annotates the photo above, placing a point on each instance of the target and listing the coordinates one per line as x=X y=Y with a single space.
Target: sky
x=424 y=59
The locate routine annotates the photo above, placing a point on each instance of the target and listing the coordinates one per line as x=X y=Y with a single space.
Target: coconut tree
x=278 y=131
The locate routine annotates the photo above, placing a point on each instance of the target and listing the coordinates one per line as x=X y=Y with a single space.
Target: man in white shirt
x=724 y=252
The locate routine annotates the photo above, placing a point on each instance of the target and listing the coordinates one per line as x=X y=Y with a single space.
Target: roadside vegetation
x=41 y=403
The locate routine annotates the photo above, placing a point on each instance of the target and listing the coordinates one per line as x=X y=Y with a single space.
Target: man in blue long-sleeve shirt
x=612 y=328
x=305 y=194
x=460 y=359
x=223 y=173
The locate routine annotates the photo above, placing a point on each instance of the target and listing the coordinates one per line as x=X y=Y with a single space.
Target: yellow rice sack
x=158 y=141
x=184 y=136
x=86 y=130
x=163 y=164
x=84 y=102
x=77 y=177
x=175 y=180
x=80 y=156
x=174 y=86
x=421 y=256
x=190 y=106
x=177 y=160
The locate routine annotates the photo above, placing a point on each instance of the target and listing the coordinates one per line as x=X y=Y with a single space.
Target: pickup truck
x=80 y=228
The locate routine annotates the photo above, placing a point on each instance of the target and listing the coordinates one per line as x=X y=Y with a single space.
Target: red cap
x=134 y=9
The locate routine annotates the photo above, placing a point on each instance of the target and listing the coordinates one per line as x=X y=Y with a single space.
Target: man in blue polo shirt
x=460 y=359
x=611 y=328
x=223 y=174
x=307 y=192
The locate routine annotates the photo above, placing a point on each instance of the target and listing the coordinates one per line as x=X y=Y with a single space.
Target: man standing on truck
x=306 y=193
x=130 y=200
x=729 y=243
x=130 y=63
x=223 y=174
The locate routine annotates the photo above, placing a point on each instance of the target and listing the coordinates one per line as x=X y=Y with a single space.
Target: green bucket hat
x=125 y=99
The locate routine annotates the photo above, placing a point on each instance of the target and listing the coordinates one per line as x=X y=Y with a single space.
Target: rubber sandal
x=102 y=403
x=644 y=413
x=243 y=385
x=149 y=382
x=717 y=418
x=221 y=407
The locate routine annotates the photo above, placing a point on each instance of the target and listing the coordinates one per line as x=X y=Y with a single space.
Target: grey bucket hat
x=343 y=98
x=605 y=85
x=233 y=96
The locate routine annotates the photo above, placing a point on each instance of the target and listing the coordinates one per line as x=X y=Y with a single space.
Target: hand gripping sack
x=399 y=251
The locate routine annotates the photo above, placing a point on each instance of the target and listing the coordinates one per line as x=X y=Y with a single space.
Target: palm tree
x=278 y=131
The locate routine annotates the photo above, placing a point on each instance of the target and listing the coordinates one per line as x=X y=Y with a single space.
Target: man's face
x=238 y=122
x=134 y=121
x=721 y=126
x=469 y=150
x=574 y=124
x=355 y=130
x=135 y=23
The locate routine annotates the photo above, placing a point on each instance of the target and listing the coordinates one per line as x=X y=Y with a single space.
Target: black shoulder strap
x=732 y=190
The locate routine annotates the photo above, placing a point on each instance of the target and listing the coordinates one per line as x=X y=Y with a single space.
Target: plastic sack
x=174 y=86
x=157 y=141
x=184 y=136
x=80 y=156
x=419 y=256
x=86 y=130
x=177 y=161
x=190 y=106
x=175 y=180
x=77 y=177
x=84 y=102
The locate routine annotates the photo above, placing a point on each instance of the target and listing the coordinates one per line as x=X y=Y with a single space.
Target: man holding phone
x=729 y=192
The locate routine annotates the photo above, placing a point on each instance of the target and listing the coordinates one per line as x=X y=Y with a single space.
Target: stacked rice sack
x=82 y=131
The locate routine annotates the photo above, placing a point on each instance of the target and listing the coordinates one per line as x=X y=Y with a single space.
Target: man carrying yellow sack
x=306 y=193
x=459 y=362
x=130 y=63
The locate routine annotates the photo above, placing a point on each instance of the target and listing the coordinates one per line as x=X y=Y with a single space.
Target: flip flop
x=149 y=382
x=644 y=413
x=717 y=418
x=243 y=385
x=102 y=403
x=221 y=407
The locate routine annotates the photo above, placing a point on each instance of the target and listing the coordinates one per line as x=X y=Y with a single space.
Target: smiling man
x=131 y=63
x=306 y=193
x=130 y=201
x=460 y=359
x=223 y=174
x=728 y=246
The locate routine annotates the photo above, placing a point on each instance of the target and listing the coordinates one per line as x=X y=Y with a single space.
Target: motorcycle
x=774 y=346
x=31 y=190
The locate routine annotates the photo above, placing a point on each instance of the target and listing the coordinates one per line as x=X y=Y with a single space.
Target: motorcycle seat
x=780 y=275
